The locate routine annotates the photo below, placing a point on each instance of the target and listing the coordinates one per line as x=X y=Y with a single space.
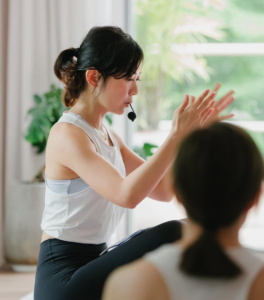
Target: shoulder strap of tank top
x=89 y=131
x=113 y=138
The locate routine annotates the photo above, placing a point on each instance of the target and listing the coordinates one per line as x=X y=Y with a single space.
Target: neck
x=90 y=110
x=227 y=237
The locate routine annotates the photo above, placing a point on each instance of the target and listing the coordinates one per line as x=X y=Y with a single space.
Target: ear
x=92 y=77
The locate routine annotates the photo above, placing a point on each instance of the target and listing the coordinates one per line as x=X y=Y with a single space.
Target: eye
x=130 y=79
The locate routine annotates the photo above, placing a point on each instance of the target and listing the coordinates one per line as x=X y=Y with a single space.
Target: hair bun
x=106 y=49
x=76 y=50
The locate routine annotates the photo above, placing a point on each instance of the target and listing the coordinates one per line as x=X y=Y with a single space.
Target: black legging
x=71 y=271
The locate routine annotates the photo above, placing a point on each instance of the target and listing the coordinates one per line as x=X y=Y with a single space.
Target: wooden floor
x=14 y=286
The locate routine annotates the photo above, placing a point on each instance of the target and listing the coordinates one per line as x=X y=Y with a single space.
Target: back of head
x=107 y=49
x=217 y=173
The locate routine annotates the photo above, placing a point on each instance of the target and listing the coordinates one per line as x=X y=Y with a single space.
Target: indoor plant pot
x=25 y=200
x=23 y=213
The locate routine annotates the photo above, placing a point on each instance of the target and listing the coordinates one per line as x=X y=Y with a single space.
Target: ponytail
x=206 y=258
x=217 y=173
x=65 y=68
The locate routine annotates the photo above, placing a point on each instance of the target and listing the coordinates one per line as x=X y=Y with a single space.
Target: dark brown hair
x=107 y=49
x=217 y=173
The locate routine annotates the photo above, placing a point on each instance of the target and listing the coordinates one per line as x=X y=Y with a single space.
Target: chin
x=120 y=112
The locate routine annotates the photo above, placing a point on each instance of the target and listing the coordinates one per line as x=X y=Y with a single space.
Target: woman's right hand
x=188 y=117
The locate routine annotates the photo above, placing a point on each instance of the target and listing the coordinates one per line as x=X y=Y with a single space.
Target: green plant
x=47 y=111
x=145 y=151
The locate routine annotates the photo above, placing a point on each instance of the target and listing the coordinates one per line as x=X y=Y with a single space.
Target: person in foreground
x=92 y=177
x=217 y=176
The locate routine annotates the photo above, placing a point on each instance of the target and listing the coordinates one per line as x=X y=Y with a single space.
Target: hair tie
x=76 y=50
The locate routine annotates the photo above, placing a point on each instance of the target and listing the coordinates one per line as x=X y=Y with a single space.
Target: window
x=189 y=46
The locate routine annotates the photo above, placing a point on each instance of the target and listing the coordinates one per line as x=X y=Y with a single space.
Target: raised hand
x=219 y=106
x=191 y=115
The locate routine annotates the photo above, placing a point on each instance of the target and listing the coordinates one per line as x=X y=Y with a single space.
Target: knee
x=173 y=225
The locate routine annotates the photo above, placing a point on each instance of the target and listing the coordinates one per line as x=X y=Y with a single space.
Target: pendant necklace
x=103 y=134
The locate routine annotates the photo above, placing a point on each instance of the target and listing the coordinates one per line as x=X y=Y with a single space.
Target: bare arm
x=77 y=153
x=139 y=280
x=163 y=190
x=132 y=161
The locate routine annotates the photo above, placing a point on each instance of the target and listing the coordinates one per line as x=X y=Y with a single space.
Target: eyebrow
x=136 y=74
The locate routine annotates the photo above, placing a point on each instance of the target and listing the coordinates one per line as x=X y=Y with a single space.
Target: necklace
x=103 y=134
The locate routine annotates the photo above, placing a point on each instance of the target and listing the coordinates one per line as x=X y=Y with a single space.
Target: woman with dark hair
x=92 y=177
x=217 y=176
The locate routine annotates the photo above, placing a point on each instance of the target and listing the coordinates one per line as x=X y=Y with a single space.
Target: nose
x=133 y=89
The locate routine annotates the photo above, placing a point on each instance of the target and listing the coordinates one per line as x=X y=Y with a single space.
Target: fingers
x=192 y=101
x=226 y=117
x=225 y=104
x=204 y=112
x=200 y=99
x=207 y=101
x=222 y=103
x=217 y=87
x=184 y=104
x=207 y=113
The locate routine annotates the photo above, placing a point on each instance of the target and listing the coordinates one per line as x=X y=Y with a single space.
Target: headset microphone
x=132 y=115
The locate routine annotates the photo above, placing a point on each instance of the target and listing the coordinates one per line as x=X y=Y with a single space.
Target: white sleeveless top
x=184 y=287
x=84 y=216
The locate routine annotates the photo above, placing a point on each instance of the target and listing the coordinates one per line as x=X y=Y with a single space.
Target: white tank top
x=84 y=216
x=181 y=287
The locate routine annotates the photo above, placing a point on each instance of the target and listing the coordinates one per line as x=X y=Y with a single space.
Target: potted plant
x=25 y=200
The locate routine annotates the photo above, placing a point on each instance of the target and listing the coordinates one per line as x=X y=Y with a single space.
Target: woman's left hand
x=219 y=106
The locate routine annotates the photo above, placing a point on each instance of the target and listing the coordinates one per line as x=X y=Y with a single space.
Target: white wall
x=37 y=32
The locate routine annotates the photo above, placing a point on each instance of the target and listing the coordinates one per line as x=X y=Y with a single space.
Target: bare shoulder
x=64 y=129
x=257 y=289
x=140 y=280
x=63 y=134
x=66 y=143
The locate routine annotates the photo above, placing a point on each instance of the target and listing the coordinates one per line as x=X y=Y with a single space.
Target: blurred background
x=189 y=46
x=194 y=45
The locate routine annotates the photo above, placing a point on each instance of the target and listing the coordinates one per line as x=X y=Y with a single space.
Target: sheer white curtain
x=34 y=35
x=3 y=53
